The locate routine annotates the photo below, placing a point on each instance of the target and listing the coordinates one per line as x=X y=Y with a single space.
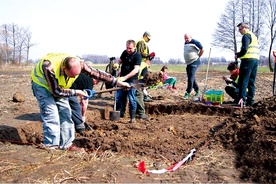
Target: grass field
x=182 y=68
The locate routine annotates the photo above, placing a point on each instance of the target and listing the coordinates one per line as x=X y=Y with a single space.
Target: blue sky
x=102 y=26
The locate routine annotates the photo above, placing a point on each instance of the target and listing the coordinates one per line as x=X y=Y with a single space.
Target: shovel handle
x=274 y=80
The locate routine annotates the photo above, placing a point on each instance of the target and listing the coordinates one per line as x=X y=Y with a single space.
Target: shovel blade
x=114 y=115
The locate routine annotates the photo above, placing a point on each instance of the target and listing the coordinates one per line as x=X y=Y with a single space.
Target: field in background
x=154 y=68
x=182 y=68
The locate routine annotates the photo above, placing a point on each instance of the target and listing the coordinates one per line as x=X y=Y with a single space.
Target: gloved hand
x=151 y=56
x=90 y=93
x=121 y=79
x=124 y=84
x=115 y=66
x=227 y=79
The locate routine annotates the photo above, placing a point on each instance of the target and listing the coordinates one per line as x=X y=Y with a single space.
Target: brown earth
x=233 y=145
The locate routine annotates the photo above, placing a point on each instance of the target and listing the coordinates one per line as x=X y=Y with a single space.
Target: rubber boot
x=122 y=112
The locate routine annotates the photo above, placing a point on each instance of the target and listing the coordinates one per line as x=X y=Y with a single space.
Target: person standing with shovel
x=130 y=61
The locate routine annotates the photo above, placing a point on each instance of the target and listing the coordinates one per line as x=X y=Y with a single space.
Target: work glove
x=151 y=56
x=227 y=79
x=123 y=84
x=115 y=66
x=90 y=93
x=121 y=79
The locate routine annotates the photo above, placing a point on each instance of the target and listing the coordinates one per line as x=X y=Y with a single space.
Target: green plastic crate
x=214 y=96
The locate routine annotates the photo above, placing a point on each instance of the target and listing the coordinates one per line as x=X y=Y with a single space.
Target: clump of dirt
x=152 y=78
x=253 y=137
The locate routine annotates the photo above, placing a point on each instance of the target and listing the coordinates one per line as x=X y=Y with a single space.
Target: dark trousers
x=232 y=92
x=191 y=72
x=247 y=77
x=76 y=113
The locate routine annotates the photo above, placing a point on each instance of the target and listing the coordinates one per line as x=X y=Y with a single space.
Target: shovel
x=274 y=78
x=114 y=115
x=206 y=78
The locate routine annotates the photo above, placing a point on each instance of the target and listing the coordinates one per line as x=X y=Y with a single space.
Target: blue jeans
x=191 y=72
x=55 y=112
x=247 y=77
x=121 y=101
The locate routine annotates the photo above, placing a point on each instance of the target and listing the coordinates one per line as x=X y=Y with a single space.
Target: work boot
x=133 y=120
x=132 y=116
x=80 y=127
x=148 y=99
x=122 y=114
x=186 y=96
x=144 y=117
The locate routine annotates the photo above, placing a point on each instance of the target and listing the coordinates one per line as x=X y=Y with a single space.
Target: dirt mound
x=253 y=137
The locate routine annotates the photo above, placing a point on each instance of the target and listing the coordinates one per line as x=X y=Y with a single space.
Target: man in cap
x=143 y=49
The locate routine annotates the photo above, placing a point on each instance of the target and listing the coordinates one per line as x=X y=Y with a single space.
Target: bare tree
x=28 y=43
x=226 y=35
x=15 y=43
x=270 y=17
x=5 y=44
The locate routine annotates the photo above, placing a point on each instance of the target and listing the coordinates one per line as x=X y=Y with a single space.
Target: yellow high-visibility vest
x=141 y=68
x=253 y=48
x=56 y=60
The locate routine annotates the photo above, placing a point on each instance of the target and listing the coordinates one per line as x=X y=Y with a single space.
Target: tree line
x=15 y=40
x=15 y=44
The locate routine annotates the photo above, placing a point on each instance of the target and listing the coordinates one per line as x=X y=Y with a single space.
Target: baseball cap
x=147 y=34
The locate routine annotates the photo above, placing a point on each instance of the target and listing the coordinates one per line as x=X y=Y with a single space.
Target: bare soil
x=233 y=144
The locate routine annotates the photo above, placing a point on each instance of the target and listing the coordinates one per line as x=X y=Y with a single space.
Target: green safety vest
x=56 y=60
x=253 y=48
